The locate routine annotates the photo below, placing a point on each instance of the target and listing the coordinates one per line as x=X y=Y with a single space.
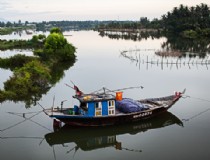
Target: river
x=182 y=133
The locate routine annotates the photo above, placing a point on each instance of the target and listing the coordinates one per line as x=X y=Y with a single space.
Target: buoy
x=119 y=96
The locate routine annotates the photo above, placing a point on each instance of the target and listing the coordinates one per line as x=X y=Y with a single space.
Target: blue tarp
x=128 y=105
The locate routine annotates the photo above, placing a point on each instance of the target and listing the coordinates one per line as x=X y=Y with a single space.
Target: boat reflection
x=94 y=138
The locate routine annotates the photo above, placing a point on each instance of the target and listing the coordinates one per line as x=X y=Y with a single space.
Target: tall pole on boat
x=126 y=88
x=104 y=90
x=62 y=104
x=53 y=104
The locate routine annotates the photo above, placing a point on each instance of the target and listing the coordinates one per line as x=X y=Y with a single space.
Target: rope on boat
x=19 y=122
x=42 y=106
x=25 y=119
x=201 y=99
x=21 y=137
x=196 y=115
x=141 y=87
x=132 y=150
x=200 y=113
x=108 y=90
x=23 y=113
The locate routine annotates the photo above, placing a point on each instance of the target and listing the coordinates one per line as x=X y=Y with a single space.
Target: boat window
x=111 y=103
x=111 y=107
x=98 y=109
x=98 y=112
x=97 y=104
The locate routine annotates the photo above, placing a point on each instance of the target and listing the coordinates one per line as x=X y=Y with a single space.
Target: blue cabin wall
x=91 y=109
x=104 y=108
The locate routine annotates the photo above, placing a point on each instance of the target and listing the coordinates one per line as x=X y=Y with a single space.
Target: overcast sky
x=47 y=10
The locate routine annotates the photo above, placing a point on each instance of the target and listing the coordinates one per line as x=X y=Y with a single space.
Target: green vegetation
x=27 y=83
x=200 y=46
x=33 y=76
x=16 y=61
x=44 y=26
x=4 y=31
x=132 y=35
x=9 y=27
x=143 y=23
x=37 y=41
x=56 y=48
x=185 y=28
x=66 y=25
x=190 y=22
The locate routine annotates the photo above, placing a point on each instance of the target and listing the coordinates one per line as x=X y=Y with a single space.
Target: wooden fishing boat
x=105 y=109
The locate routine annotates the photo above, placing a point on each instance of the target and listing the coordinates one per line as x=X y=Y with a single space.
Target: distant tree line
x=66 y=25
x=12 y=24
x=189 y=21
x=144 y=22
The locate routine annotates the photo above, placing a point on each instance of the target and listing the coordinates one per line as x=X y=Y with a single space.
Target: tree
x=2 y=24
x=191 y=19
x=55 y=41
x=9 y=24
x=26 y=22
x=56 y=47
x=19 y=22
x=56 y=30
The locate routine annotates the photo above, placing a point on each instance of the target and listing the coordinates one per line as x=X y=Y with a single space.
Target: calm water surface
x=183 y=133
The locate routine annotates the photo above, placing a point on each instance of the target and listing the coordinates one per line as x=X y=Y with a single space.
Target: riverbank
x=9 y=30
x=5 y=31
x=128 y=30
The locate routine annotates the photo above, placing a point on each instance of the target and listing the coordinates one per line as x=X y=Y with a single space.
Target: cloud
x=38 y=10
x=4 y=6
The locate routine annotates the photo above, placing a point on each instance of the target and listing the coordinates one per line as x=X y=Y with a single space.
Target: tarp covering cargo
x=128 y=105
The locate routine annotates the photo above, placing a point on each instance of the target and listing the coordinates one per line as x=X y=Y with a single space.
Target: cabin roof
x=84 y=98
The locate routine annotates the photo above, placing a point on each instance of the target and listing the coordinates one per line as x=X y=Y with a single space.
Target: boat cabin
x=96 y=105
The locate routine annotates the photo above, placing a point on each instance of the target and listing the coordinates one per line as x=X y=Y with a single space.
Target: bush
x=27 y=81
x=57 y=47
x=190 y=34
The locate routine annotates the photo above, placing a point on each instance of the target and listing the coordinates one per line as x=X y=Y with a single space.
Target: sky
x=57 y=10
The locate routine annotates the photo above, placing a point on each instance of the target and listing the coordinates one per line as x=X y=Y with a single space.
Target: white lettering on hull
x=142 y=114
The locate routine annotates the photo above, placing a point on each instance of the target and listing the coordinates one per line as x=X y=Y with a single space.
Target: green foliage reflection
x=34 y=76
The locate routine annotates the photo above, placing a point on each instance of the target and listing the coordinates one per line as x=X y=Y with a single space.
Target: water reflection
x=34 y=93
x=165 y=60
x=153 y=142
x=200 y=47
x=135 y=36
x=174 y=43
x=28 y=83
x=94 y=138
